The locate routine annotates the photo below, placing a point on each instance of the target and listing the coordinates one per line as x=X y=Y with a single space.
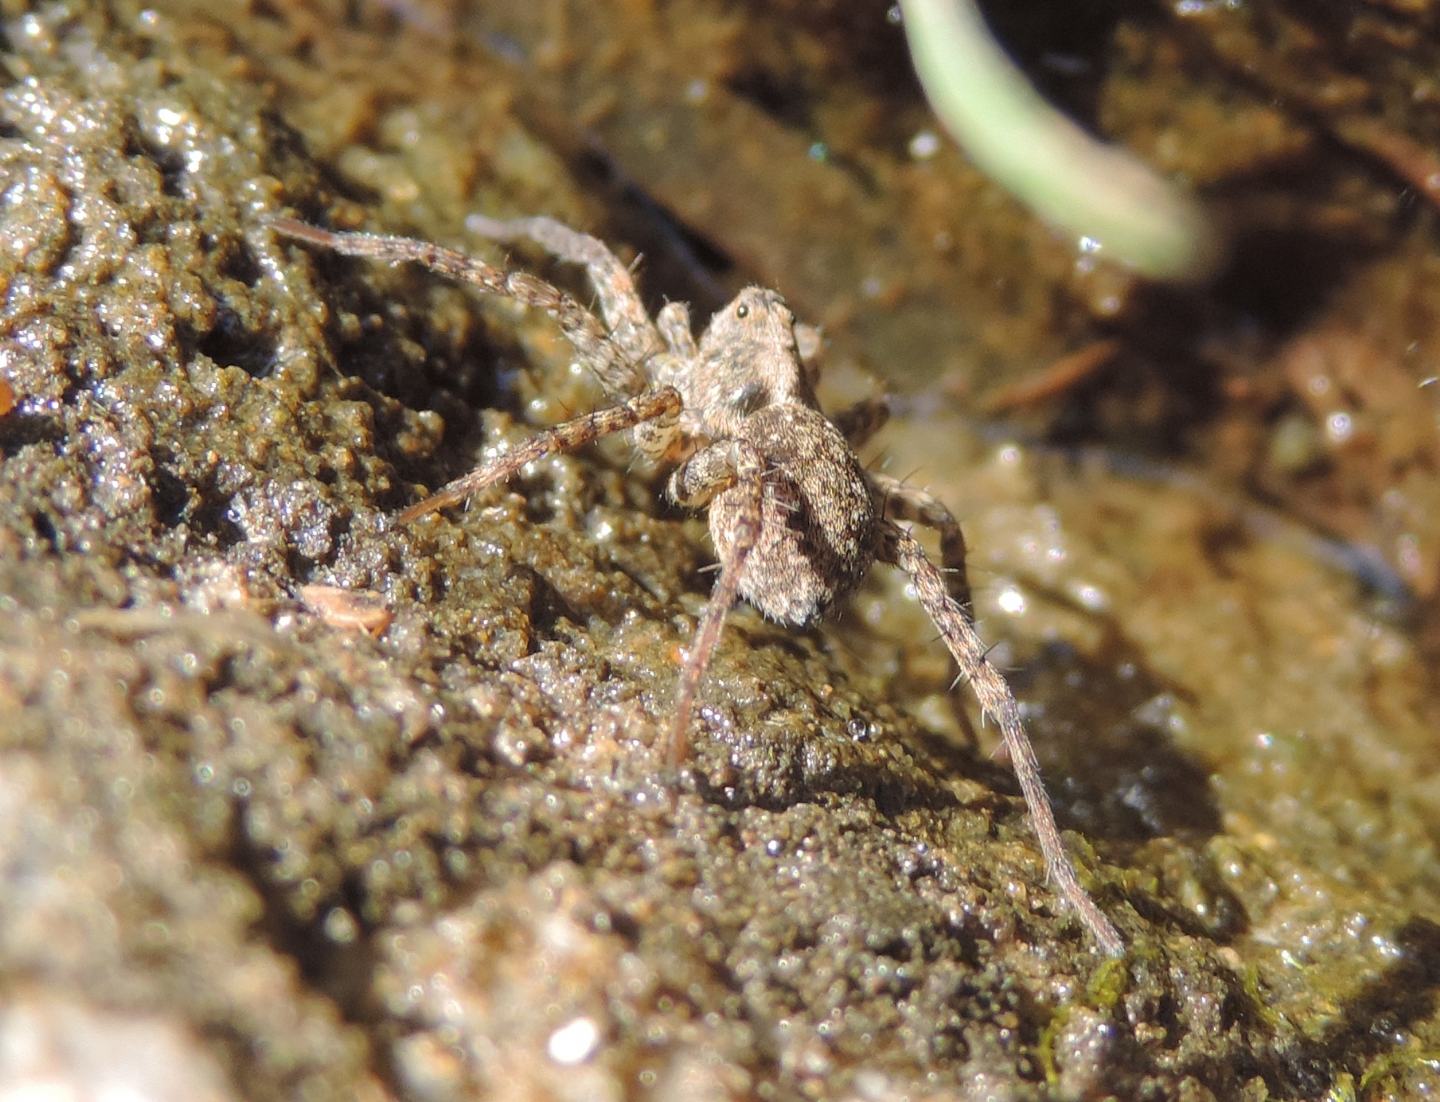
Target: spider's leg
x=732 y=465
x=863 y=420
x=899 y=547
x=653 y=405
x=618 y=370
x=620 y=304
x=902 y=501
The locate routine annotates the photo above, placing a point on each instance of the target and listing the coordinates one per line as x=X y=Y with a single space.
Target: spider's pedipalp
x=737 y=468
x=673 y=321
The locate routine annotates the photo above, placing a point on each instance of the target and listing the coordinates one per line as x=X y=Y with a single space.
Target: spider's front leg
x=738 y=469
x=899 y=547
x=660 y=407
x=616 y=367
x=630 y=326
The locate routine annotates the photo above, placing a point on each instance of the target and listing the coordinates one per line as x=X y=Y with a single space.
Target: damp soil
x=296 y=802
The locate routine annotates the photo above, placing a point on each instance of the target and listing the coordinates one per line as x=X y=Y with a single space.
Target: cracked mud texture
x=248 y=850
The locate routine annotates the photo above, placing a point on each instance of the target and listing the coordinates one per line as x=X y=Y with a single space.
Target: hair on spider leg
x=796 y=521
x=985 y=654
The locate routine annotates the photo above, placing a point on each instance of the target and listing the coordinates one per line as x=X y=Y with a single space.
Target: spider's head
x=748 y=356
x=755 y=314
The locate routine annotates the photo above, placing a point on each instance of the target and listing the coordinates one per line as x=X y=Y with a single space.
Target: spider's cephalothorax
x=818 y=510
x=795 y=518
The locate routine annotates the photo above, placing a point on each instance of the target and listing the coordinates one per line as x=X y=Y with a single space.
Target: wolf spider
x=796 y=519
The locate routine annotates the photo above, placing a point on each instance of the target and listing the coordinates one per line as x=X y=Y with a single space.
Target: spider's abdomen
x=817 y=533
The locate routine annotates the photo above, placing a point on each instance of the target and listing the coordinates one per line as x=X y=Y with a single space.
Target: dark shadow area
x=1279 y=276
x=171 y=494
x=1064 y=49
x=232 y=343
x=19 y=430
x=1112 y=769
x=1183 y=349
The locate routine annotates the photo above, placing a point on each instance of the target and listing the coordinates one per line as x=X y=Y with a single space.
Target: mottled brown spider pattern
x=796 y=519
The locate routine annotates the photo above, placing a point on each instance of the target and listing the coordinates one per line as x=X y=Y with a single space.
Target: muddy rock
x=302 y=803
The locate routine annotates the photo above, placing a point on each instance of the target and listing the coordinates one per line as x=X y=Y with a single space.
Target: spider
x=796 y=520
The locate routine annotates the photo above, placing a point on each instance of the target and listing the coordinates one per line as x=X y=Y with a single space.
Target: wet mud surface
x=298 y=803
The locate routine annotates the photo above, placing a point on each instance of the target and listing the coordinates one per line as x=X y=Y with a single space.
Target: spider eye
x=742 y=311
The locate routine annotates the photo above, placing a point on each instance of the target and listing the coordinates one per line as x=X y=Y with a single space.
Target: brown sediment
x=438 y=862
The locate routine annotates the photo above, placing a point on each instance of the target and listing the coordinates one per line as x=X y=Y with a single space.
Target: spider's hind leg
x=902 y=501
x=899 y=547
